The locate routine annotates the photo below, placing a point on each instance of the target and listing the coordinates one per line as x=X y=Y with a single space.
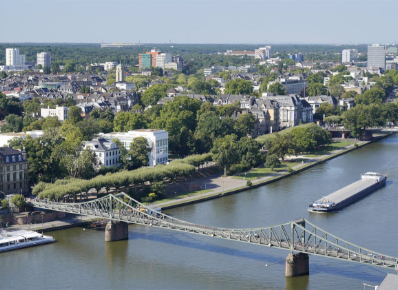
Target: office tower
x=349 y=55
x=44 y=59
x=377 y=56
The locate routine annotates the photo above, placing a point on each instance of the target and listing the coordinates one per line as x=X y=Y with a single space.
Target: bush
x=272 y=161
x=356 y=145
x=4 y=203
x=18 y=200
x=238 y=168
x=290 y=170
x=249 y=183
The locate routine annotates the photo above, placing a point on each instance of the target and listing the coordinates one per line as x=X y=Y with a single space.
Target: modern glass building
x=145 y=60
x=377 y=56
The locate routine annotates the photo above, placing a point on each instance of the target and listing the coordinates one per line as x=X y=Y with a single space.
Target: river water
x=162 y=259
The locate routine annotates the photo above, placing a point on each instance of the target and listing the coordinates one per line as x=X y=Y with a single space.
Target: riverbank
x=228 y=185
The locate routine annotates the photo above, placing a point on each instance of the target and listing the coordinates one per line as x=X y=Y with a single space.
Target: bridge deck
x=299 y=235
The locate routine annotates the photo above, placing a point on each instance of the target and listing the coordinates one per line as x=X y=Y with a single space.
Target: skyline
x=215 y=22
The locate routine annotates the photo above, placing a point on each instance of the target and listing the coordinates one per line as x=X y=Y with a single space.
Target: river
x=162 y=259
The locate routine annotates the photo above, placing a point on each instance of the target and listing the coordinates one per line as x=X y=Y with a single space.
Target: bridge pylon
x=297 y=265
x=116 y=231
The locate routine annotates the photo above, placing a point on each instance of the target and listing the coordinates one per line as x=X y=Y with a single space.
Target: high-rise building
x=377 y=56
x=179 y=60
x=292 y=56
x=263 y=52
x=349 y=55
x=44 y=59
x=119 y=73
x=144 y=60
x=162 y=59
x=299 y=57
x=14 y=58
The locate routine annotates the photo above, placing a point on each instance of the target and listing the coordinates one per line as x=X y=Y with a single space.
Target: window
x=20 y=158
x=106 y=162
x=14 y=167
x=8 y=186
x=20 y=175
x=13 y=158
x=20 y=185
x=15 y=185
x=7 y=159
x=14 y=176
x=8 y=177
x=100 y=154
x=107 y=155
x=8 y=167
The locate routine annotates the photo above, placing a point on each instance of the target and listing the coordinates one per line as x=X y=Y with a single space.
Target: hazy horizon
x=330 y=22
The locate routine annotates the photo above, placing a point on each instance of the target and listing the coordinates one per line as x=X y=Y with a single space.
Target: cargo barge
x=368 y=183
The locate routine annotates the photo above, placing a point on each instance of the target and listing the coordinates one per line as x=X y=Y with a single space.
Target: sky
x=198 y=21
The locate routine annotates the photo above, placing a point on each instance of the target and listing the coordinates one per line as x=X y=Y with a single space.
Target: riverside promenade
x=213 y=187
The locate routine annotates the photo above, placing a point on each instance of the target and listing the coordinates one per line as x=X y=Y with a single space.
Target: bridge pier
x=116 y=231
x=297 y=265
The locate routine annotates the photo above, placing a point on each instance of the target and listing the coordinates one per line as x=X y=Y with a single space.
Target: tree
x=182 y=79
x=372 y=96
x=154 y=94
x=80 y=164
x=272 y=161
x=126 y=121
x=47 y=70
x=316 y=89
x=239 y=87
x=390 y=112
x=325 y=109
x=55 y=68
x=4 y=203
x=349 y=94
x=340 y=68
x=249 y=151
x=3 y=75
x=75 y=114
x=138 y=153
x=385 y=83
x=9 y=106
x=281 y=145
x=85 y=90
x=31 y=107
x=18 y=200
x=277 y=89
x=354 y=120
x=246 y=123
x=14 y=124
x=316 y=78
x=225 y=151
x=202 y=87
x=336 y=90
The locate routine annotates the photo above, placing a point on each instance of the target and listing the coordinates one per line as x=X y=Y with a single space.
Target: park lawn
x=186 y=194
x=262 y=171
x=328 y=148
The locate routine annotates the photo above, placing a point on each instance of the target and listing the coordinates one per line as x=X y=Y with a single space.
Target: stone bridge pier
x=116 y=231
x=297 y=265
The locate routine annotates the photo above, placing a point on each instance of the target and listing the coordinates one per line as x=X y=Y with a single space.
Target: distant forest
x=196 y=56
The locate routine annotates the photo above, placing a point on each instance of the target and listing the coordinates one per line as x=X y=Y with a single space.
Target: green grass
x=186 y=194
x=263 y=172
x=328 y=148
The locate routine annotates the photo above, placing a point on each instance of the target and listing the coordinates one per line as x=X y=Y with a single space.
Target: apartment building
x=13 y=171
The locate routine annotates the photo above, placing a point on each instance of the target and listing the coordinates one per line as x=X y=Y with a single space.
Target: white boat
x=13 y=240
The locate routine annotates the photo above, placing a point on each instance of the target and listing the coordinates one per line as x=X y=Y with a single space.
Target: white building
x=292 y=85
x=125 y=86
x=21 y=96
x=173 y=65
x=107 y=153
x=5 y=137
x=110 y=65
x=263 y=52
x=349 y=55
x=44 y=59
x=162 y=59
x=158 y=141
x=60 y=112
x=14 y=58
x=376 y=56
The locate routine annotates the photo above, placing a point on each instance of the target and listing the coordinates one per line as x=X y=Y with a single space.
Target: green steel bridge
x=295 y=236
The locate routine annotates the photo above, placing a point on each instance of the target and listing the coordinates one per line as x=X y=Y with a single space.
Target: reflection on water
x=298 y=283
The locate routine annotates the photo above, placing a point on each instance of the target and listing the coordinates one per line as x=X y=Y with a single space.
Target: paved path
x=219 y=184
x=65 y=222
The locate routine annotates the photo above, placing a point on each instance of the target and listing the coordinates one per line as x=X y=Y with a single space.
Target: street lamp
x=245 y=175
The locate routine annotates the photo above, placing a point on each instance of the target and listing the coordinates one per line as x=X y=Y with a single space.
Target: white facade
x=173 y=65
x=106 y=152
x=110 y=65
x=13 y=67
x=349 y=55
x=376 y=56
x=162 y=59
x=21 y=96
x=14 y=58
x=44 y=59
x=5 y=137
x=125 y=86
x=158 y=141
x=60 y=112
x=263 y=52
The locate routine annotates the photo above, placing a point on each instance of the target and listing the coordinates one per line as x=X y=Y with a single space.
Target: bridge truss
x=299 y=235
